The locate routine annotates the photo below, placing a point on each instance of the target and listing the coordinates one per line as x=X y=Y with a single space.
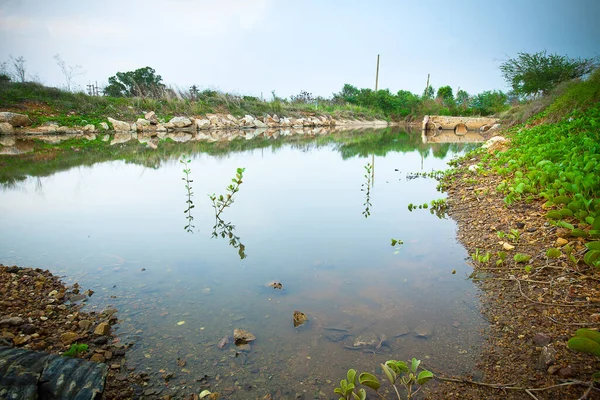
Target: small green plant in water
x=398 y=373
x=221 y=202
x=366 y=187
x=189 y=203
x=75 y=350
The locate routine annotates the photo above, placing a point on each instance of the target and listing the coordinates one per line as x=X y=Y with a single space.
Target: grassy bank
x=529 y=216
x=45 y=104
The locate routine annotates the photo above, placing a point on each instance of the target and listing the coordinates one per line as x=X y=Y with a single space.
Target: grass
x=45 y=104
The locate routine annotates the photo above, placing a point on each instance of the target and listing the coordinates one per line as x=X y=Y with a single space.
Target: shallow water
x=118 y=228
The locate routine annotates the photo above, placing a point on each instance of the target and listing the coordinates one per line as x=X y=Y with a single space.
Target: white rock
x=180 y=122
x=493 y=140
x=119 y=125
x=151 y=117
x=202 y=123
x=6 y=128
x=104 y=125
x=14 y=119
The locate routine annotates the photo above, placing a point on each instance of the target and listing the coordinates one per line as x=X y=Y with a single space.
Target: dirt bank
x=533 y=307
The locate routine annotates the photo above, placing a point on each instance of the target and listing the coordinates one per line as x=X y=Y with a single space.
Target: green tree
x=429 y=92
x=462 y=99
x=445 y=94
x=349 y=94
x=489 y=102
x=538 y=73
x=142 y=82
x=407 y=103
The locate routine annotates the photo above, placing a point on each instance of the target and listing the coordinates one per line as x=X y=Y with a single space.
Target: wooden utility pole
x=377 y=74
x=426 y=87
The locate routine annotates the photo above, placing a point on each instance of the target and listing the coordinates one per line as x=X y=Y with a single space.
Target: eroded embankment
x=533 y=307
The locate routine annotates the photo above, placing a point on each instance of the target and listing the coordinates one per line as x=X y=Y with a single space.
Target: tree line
x=528 y=74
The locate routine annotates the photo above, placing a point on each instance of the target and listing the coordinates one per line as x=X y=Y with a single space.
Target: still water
x=117 y=227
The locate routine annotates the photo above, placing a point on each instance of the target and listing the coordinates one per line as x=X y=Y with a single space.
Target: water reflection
x=189 y=228
x=366 y=187
x=300 y=214
x=225 y=230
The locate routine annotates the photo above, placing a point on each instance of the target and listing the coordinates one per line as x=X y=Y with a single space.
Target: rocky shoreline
x=38 y=312
x=19 y=124
x=534 y=308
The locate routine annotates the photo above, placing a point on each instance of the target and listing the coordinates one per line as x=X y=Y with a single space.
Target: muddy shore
x=533 y=308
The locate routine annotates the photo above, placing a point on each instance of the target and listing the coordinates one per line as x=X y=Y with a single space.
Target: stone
x=100 y=340
x=6 y=128
x=141 y=124
x=561 y=242
x=541 y=339
x=247 y=121
x=19 y=340
x=89 y=128
x=553 y=369
x=7 y=140
x=14 y=119
x=102 y=329
x=473 y=167
x=202 y=123
x=259 y=124
x=104 y=126
x=68 y=337
x=97 y=358
x=28 y=329
x=151 y=118
x=241 y=336
x=85 y=324
x=119 y=125
x=180 y=122
x=566 y=372
x=299 y=318
x=13 y=321
x=547 y=357
x=424 y=330
x=496 y=143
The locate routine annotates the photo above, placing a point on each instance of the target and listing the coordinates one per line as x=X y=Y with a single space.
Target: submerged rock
x=223 y=342
x=241 y=336
x=299 y=318
x=424 y=330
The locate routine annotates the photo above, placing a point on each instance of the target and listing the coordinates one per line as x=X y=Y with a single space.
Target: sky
x=254 y=47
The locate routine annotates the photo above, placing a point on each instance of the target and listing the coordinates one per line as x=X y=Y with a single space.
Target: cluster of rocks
x=38 y=312
x=151 y=123
x=227 y=122
x=9 y=121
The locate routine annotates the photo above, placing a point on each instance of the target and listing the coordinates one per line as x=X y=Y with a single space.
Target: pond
x=316 y=215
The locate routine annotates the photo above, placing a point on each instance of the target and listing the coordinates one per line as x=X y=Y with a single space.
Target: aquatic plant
x=225 y=230
x=396 y=372
x=366 y=187
x=189 y=203
x=223 y=201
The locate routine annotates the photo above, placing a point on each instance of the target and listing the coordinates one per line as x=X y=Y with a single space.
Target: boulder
x=202 y=123
x=119 y=125
x=248 y=121
x=14 y=119
x=151 y=118
x=215 y=122
x=241 y=336
x=89 y=128
x=102 y=329
x=179 y=122
x=142 y=124
x=6 y=128
x=259 y=124
x=496 y=143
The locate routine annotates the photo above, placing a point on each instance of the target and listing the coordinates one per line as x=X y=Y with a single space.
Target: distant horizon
x=249 y=47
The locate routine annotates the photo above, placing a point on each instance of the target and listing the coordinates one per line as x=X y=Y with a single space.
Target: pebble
x=541 y=339
x=102 y=329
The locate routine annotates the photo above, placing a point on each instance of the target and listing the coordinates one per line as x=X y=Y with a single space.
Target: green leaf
x=591 y=257
x=414 y=365
x=521 y=258
x=595 y=234
x=561 y=200
x=596 y=223
x=391 y=375
x=351 y=376
x=338 y=391
x=579 y=233
x=588 y=333
x=584 y=345
x=362 y=394
x=424 y=376
x=565 y=212
x=565 y=225
x=553 y=253
x=595 y=245
x=554 y=214
x=369 y=380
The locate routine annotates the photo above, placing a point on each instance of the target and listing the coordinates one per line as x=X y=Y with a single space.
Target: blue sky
x=254 y=46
